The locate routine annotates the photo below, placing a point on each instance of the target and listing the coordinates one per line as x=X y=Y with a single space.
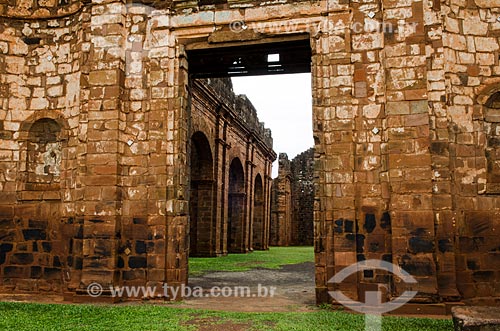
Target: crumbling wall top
x=284 y=166
x=242 y=108
x=39 y=9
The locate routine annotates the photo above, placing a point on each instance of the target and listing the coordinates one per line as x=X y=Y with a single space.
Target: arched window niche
x=491 y=130
x=42 y=150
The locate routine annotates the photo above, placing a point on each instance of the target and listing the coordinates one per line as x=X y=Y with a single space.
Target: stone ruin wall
x=405 y=126
x=232 y=130
x=302 y=167
x=44 y=121
x=281 y=204
x=99 y=216
x=292 y=203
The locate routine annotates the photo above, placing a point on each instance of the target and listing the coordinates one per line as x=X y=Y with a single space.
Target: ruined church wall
x=111 y=93
x=41 y=64
x=292 y=206
x=231 y=125
x=302 y=168
x=471 y=46
x=282 y=204
x=403 y=139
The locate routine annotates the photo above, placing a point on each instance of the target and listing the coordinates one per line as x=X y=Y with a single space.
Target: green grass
x=48 y=317
x=30 y=316
x=272 y=259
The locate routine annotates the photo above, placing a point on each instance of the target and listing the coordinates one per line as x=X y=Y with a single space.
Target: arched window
x=236 y=208
x=493 y=101
x=492 y=150
x=44 y=152
x=201 y=212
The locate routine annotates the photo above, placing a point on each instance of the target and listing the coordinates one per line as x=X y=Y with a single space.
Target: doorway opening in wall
x=251 y=172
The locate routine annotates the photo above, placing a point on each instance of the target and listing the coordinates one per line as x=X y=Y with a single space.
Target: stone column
x=408 y=156
x=372 y=225
x=266 y=182
x=102 y=177
x=265 y=207
x=251 y=190
x=440 y=156
x=464 y=204
x=246 y=236
x=219 y=171
x=177 y=138
x=334 y=208
x=224 y=192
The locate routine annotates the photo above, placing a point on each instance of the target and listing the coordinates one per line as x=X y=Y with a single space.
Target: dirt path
x=293 y=287
x=293 y=291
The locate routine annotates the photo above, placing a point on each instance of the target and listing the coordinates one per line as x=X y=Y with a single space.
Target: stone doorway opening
x=236 y=206
x=242 y=182
x=201 y=206
x=258 y=210
x=264 y=57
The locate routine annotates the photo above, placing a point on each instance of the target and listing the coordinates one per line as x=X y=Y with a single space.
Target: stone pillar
x=282 y=208
x=102 y=177
x=334 y=209
x=225 y=191
x=440 y=156
x=470 y=77
x=267 y=182
x=246 y=226
x=177 y=137
x=409 y=159
x=220 y=189
x=251 y=192
x=372 y=230
x=302 y=198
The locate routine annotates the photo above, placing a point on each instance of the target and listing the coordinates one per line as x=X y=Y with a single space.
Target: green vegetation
x=272 y=259
x=29 y=316
x=47 y=317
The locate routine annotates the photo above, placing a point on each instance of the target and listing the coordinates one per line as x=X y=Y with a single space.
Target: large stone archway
x=237 y=200
x=400 y=171
x=201 y=208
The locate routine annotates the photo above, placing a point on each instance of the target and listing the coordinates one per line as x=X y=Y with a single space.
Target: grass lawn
x=46 y=317
x=168 y=316
x=272 y=259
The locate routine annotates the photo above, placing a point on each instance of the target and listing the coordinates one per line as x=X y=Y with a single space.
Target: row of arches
x=233 y=231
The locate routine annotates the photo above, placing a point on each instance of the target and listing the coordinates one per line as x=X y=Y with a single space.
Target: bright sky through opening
x=284 y=104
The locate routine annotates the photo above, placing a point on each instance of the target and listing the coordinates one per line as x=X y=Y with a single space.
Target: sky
x=284 y=104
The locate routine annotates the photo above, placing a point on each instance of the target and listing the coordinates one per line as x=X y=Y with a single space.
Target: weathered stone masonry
x=405 y=128
x=242 y=154
x=85 y=154
x=303 y=197
x=281 y=204
x=292 y=201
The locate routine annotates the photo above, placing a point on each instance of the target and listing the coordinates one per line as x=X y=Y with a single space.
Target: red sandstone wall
x=302 y=168
x=405 y=142
x=292 y=210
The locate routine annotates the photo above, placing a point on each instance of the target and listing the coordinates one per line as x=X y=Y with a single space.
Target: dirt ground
x=293 y=284
x=293 y=287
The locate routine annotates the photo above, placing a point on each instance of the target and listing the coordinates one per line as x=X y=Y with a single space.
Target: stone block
x=105 y=77
x=474 y=318
x=419 y=107
x=397 y=108
x=21 y=258
x=416 y=120
x=415 y=94
x=486 y=44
